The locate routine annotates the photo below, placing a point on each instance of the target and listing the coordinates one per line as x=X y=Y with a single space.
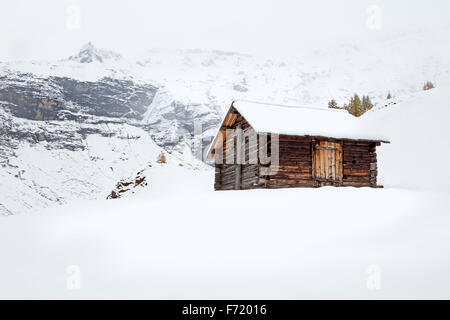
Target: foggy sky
x=46 y=29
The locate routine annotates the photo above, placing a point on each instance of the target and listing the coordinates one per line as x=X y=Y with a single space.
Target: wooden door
x=327 y=163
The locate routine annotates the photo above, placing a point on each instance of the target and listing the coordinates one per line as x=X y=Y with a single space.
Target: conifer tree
x=428 y=85
x=358 y=107
x=333 y=104
x=366 y=104
x=354 y=107
x=161 y=158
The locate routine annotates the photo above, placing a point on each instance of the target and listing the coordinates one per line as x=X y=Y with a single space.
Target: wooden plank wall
x=295 y=164
x=360 y=164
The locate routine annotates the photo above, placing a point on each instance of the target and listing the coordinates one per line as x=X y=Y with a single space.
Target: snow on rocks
x=127 y=186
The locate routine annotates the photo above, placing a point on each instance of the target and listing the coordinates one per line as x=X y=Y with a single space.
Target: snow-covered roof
x=304 y=121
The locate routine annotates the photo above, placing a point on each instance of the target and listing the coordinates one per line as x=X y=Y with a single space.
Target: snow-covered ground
x=180 y=239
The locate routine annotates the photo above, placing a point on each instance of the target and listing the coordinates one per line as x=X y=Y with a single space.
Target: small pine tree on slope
x=333 y=104
x=366 y=104
x=354 y=107
x=161 y=158
x=428 y=85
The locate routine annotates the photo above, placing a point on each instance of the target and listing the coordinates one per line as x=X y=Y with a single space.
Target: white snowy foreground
x=180 y=239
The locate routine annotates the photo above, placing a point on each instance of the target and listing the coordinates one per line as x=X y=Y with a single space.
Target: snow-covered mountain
x=89 y=53
x=97 y=117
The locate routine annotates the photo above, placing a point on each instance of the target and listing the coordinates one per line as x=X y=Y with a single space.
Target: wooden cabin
x=314 y=147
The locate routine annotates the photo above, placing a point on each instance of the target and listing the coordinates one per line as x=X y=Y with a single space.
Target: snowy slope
x=176 y=239
x=417 y=126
